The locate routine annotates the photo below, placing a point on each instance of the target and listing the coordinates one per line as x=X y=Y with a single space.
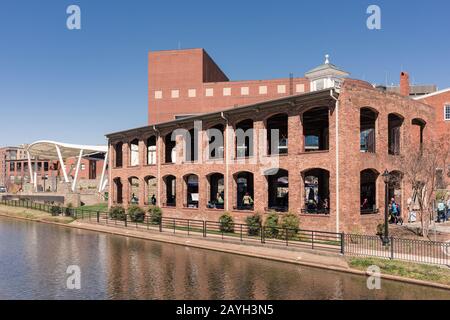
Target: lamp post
x=386 y=178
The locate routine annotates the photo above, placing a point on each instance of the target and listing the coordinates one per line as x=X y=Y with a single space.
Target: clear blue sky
x=75 y=86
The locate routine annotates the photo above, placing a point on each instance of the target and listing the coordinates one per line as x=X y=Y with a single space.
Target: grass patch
x=32 y=214
x=404 y=269
x=96 y=207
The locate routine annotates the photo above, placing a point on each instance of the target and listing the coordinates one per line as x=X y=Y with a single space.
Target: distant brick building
x=15 y=170
x=314 y=146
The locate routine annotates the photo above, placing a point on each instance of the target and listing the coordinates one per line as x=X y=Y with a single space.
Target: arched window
x=395 y=123
x=368 y=192
x=151 y=150
x=216 y=142
x=118 y=191
x=192 y=195
x=317 y=191
x=118 y=150
x=418 y=128
x=368 y=119
x=170 y=148
x=244 y=139
x=134 y=152
x=316 y=129
x=151 y=190
x=216 y=191
x=171 y=185
x=244 y=190
x=278 y=190
x=277 y=134
x=134 y=190
x=191 y=145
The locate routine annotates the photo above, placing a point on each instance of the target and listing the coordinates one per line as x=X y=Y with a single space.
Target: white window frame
x=446 y=106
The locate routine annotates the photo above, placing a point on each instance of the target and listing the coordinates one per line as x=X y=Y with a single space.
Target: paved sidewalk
x=439 y=227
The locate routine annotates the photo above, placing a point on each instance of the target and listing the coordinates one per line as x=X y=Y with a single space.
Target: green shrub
x=155 y=215
x=68 y=210
x=254 y=224
x=117 y=213
x=290 y=224
x=55 y=210
x=136 y=213
x=271 y=225
x=226 y=223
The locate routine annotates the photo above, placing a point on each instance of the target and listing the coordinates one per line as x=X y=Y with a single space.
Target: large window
x=447 y=112
x=134 y=190
x=368 y=119
x=134 y=152
x=395 y=123
x=368 y=192
x=192 y=195
x=244 y=139
x=170 y=182
x=317 y=191
x=316 y=129
x=118 y=191
x=118 y=154
x=216 y=142
x=278 y=190
x=151 y=150
x=170 y=148
x=191 y=145
x=244 y=191
x=277 y=134
x=216 y=191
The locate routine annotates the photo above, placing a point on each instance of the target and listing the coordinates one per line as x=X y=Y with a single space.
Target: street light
x=387 y=179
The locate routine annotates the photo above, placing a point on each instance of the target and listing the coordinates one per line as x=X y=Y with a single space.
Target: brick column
x=125 y=154
x=259 y=147
x=202 y=192
x=295 y=188
x=260 y=191
x=142 y=192
x=295 y=134
x=142 y=152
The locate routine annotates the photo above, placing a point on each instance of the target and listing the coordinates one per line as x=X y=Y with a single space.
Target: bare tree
x=420 y=167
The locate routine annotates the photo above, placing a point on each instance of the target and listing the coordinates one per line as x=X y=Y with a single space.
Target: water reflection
x=34 y=258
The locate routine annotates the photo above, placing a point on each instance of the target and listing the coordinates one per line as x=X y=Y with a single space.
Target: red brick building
x=313 y=146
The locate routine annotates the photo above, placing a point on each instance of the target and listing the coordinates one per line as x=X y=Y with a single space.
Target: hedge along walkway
x=30 y=214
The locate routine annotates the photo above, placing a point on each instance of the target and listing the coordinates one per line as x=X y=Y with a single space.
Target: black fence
x=420 y=251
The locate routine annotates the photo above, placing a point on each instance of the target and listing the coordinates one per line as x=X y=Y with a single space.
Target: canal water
x=34 y=258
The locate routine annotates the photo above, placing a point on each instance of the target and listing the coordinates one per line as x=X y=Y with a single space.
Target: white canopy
x=46 y=149
x=52 y=150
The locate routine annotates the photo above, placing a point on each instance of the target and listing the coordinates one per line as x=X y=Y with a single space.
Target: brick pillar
x=295 y=188
x=142 y=152
x=126 y=192
x=125 y=154
x=295 y=134
x=260 y=190
x=202 y=192
x=142 y=192
x=180 y=192
x=259 y=139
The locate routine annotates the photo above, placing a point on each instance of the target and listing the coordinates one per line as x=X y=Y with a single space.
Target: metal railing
x=420 y=251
